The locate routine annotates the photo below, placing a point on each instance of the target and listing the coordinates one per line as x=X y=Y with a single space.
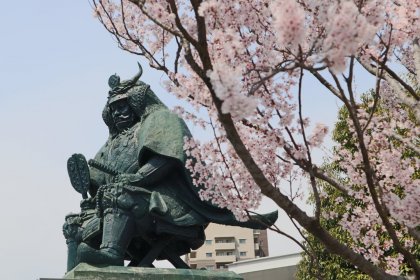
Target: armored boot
x=118 y=229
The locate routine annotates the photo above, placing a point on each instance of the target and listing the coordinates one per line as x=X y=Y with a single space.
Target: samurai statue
x=142 y=205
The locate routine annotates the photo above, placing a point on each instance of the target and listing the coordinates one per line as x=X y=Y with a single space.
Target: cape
x=162 y=133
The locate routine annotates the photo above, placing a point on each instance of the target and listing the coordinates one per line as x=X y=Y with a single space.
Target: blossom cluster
x=397 y=183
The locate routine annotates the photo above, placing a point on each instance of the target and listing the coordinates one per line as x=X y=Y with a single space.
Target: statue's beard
x=124 y=122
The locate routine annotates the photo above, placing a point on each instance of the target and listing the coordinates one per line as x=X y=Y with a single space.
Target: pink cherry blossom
x=288 y=22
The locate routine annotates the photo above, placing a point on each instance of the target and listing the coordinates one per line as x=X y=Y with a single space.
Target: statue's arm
x=151 y=173
x=97 y=177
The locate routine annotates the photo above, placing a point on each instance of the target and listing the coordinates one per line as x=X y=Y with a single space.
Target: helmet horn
x=137 y=76
x=118 y=87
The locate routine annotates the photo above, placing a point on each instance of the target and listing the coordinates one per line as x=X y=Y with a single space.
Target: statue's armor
x=160 y=206
x=120 y=153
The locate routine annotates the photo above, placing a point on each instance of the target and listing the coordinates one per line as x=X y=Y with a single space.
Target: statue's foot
x=87 y=254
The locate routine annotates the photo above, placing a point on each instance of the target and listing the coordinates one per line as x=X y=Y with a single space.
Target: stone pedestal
x=88 y=272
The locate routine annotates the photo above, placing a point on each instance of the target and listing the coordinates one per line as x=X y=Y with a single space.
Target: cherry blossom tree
x=337 y=207
x=244 y=62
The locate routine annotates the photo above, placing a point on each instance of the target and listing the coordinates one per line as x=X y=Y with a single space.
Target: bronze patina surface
x=142 y=205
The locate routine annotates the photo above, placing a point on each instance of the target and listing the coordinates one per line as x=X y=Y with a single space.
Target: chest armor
x=121 y=152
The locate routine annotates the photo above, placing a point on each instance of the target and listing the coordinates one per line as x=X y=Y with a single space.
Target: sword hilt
x=102 y=167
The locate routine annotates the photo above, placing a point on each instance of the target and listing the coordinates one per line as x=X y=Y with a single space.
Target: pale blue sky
x=55 y=60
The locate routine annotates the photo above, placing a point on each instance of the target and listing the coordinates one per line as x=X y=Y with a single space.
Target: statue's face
x=122 y=114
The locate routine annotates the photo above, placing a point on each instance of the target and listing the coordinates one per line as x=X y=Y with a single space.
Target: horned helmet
x=138 y=94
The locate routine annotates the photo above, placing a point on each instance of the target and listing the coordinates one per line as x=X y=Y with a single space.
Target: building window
x=208 y=242
x=209 y=255
x=222 y=265
x=242 y=254
x=193 y=265
x=242 y=241
x=193 y=255
x=224 y=253
x=225 y=240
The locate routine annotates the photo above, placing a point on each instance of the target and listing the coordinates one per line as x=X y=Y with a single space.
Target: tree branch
x=308 y=152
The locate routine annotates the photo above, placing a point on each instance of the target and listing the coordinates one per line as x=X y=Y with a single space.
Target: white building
x=268 y=268
x=228 y=244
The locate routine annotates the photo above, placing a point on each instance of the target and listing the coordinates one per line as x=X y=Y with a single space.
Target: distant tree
x=243 y=62
x=336 y=206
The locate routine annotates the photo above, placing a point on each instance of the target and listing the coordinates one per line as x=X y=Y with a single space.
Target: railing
x=225 y=246
x=231 y=258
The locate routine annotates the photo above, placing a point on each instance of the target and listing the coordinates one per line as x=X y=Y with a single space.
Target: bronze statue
x=142 y=205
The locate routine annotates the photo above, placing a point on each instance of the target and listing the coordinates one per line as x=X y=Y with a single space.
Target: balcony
x=225 y=246
x=226 y=259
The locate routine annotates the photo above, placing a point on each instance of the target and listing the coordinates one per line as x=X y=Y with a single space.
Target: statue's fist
x=88 y=203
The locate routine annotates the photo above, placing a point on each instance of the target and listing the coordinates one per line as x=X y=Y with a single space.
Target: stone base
x=89 y=272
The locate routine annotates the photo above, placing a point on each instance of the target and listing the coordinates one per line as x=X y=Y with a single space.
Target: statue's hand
x=127 y=179
x=88 y=203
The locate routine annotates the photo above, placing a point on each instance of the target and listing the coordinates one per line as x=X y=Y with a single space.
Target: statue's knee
x=72 y=228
